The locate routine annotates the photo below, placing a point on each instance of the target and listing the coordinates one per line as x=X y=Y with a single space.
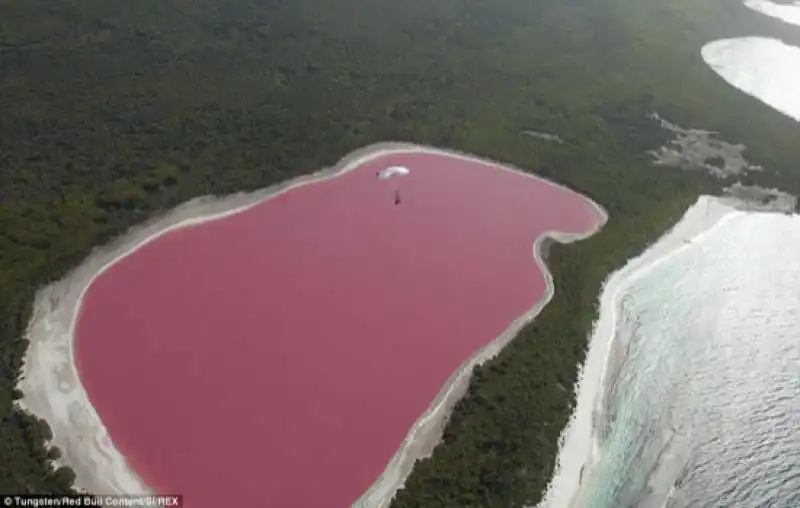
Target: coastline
x=579 y=444
x=52 y=389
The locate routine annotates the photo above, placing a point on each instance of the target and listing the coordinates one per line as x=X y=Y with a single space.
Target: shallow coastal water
x=704 y=408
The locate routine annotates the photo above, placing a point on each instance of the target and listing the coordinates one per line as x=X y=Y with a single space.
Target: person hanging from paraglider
x=397 y=197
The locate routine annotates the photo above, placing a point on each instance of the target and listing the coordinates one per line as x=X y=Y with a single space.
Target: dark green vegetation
x=112 y=111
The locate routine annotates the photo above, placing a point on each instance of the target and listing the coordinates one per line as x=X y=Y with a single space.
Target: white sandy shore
x=578 y=446
x=53 y=391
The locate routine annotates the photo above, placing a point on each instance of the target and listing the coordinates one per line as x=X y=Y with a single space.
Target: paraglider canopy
x=393 y=171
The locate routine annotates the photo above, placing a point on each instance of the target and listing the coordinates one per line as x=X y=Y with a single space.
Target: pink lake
x=279 y=356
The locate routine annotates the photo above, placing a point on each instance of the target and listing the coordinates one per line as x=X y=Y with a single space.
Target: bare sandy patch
x=697 y=150
x=52 y=388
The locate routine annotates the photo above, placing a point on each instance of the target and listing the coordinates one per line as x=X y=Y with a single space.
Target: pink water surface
x=278 y=357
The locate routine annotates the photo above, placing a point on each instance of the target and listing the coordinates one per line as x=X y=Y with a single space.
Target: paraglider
x=393 y=171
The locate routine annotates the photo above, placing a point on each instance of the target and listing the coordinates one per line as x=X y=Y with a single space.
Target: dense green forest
x=112 y=111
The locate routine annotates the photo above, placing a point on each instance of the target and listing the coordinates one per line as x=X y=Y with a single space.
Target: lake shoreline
x=52 y=388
